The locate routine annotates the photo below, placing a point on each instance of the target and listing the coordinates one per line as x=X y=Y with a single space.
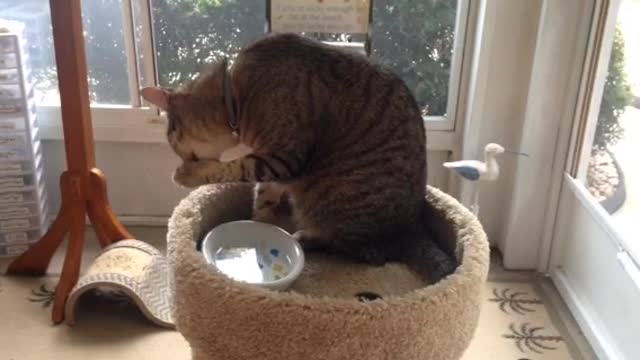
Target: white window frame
x=448 y=122
x=138 y=122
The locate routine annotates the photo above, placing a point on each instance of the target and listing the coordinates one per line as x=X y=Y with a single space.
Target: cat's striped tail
x=430 y=251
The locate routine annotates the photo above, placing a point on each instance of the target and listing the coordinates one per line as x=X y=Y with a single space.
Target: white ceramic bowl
x=255 y=253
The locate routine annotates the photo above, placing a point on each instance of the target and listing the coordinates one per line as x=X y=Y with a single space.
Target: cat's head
x=197 y=119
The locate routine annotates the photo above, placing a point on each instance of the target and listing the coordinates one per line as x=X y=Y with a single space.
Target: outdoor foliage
x=616 y=96
x=191 y=33
x=106 y=57
x=414 y=38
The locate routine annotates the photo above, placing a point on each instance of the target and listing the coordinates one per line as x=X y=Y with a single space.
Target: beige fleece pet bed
x=323 y=316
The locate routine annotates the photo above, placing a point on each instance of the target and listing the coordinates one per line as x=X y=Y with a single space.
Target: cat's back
x=287 y=47
x=346 y=86
x=296 y=54
x=364 y=125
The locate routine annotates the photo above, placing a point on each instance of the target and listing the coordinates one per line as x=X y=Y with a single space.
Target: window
x=105 y=48
x=419 y=40
x=611 y=174
x=416 y=40
x=211 y=28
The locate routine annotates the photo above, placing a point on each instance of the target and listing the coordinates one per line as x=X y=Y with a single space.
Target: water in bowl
x=252 y=265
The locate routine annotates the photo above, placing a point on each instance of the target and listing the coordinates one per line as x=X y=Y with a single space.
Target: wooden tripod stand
x=83 y=187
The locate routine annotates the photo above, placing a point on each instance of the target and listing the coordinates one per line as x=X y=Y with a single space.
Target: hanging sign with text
x=322 y=16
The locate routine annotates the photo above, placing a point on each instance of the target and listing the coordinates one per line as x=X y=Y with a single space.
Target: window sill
x=110 y=124
x=103 y=133
x=119 y=124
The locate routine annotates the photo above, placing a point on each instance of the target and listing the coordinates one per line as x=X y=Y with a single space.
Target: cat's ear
x=236 y=152
x=157 y=96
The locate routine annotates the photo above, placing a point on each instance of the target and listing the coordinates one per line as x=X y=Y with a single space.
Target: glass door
x=596 y=249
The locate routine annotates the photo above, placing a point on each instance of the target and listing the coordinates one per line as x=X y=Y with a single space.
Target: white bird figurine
x=474 y=170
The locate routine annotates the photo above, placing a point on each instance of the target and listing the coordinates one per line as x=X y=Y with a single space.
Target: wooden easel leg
x=35 y=261
x=80 y=197
x=72 y=260
x=84 y=189
x=101 y=215
x=102 y=236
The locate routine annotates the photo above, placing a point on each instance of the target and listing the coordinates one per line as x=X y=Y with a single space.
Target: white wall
x=496 y=108
x=556 y=72
x=139 y=176
x=527 y=63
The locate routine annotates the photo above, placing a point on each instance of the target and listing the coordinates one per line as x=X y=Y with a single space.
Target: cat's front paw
x=187 y=175
x=308 y=241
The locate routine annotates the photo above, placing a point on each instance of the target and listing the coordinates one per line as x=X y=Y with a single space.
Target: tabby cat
x=338 y=137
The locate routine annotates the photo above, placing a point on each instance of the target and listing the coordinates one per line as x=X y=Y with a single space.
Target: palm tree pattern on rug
x=42 y=295
x=518 y=302
x=530 y=338
x=526 y=337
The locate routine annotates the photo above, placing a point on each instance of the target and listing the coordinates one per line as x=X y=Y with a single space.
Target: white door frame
x=588 y=259
x=577 y=111
x=553 y=92
x=583 y=125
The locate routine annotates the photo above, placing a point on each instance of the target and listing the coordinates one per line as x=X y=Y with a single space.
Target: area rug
x=515 y=324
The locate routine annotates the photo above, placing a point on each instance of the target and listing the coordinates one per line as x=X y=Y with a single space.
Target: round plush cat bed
x=336 y=309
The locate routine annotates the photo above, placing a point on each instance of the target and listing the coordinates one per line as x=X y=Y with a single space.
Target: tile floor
x=500 y=280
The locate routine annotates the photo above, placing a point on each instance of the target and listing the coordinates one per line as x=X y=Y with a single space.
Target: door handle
x=629 y=266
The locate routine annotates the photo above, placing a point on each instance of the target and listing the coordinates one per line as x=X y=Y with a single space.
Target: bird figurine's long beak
x=516 y=152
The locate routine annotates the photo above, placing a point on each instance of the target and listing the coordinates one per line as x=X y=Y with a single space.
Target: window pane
x=104 y=45
x=415 y=39
x=191 y=33
x=106 y=56
x=35 y=15
x=613 y=175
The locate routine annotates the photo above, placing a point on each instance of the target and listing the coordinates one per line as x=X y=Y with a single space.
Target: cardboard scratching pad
x=132 y=268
